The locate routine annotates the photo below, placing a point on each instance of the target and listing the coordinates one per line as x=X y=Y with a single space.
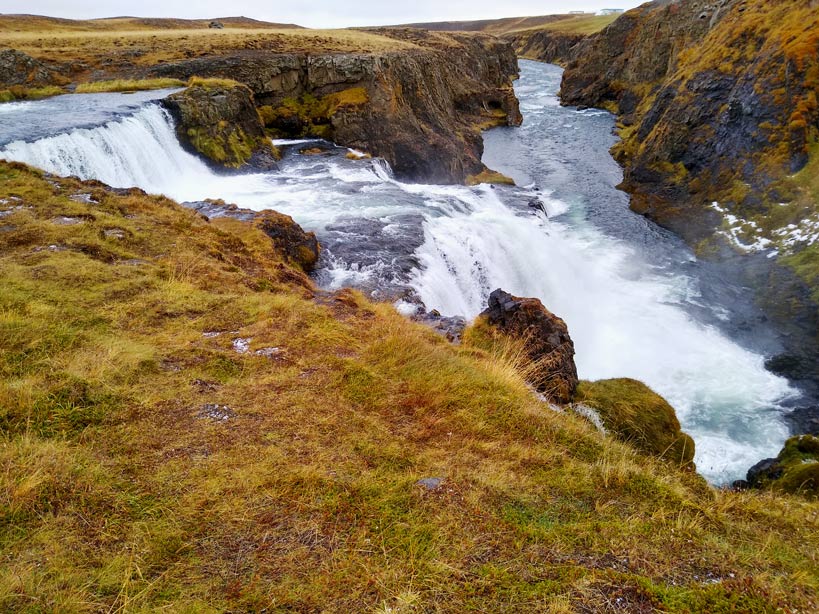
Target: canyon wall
x=421 y=109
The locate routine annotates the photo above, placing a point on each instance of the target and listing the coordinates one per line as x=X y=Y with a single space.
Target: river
x=637 y=301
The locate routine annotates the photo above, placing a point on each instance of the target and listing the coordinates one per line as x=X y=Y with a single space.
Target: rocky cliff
x=717 y=102
x=421 y=109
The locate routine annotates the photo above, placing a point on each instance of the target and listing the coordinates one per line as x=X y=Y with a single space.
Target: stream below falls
x=637 y=302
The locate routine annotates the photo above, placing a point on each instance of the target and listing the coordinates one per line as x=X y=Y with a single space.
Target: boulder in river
x=219 y=120
x=546 y=342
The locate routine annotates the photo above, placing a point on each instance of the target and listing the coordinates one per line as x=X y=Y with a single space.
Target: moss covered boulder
x=639 y=416
x=218 y=119
x=795 y=470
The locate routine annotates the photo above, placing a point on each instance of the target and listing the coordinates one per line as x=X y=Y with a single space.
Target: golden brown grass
x=146 y=465
x=149 y=47
x=127 y=85
x=42 y=24
x=581 y=24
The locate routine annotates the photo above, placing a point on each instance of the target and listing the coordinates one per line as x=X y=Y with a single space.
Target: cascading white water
x=622 y=327
x=141 y=150
x=453 y=245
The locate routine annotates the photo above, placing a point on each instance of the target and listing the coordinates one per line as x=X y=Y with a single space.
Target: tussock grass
x=127 y=85
x=18 y=92
x=212 y=82
x=145 y=465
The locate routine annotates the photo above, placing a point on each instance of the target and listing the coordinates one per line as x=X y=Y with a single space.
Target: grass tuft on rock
x=127 y=85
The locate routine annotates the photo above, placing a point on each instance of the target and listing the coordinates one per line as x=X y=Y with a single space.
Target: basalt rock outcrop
x=19 y=69
x=420 y=108
x=718 y=102
x=545 y=338
x=639 y=416
x=219 y=120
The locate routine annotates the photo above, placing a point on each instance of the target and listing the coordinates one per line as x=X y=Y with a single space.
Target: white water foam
x=622 y=325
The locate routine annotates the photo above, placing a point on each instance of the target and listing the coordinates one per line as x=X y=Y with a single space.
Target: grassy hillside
x=187 y=424
x=574 y=24
x=40 y=23
x=148 y=44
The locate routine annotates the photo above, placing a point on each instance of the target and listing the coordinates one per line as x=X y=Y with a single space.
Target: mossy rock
x=491 y=177
x=218 y=119
x=310 y=116
x=639 y=416
x=794 y=471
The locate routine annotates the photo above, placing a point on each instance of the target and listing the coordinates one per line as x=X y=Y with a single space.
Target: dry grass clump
x=127 y=85
x=19 y=92
x=187 y=424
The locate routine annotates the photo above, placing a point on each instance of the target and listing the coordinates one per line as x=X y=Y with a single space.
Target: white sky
x=316 y=14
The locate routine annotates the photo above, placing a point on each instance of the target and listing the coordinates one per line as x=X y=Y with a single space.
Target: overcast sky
x=316 y=14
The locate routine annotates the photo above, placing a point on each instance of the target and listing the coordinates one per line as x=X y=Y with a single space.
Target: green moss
x=309 y=116
x=639 y=416
x=800 y=479
x=491 y=177
x=227 y=145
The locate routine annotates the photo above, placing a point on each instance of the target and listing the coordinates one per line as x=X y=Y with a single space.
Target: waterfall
x=453 y=245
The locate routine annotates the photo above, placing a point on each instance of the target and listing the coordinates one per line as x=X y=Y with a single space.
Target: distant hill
x=575 y=24
x=39 y=23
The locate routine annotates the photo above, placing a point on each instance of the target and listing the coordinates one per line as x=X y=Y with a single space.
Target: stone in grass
x=215 y=412
x=430 y=483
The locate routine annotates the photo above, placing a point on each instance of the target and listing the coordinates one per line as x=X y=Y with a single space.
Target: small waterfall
x=140 y=150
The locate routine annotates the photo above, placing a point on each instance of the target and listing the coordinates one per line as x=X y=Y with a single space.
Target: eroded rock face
x=550 y=46
x=420 y=109
x=546 y=339
x=220 y=121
